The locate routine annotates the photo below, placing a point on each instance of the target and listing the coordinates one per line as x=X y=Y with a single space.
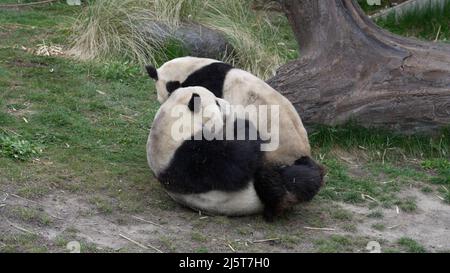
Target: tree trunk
x=350 y=69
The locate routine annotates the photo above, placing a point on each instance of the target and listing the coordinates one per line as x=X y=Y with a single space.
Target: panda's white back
x=243 y=88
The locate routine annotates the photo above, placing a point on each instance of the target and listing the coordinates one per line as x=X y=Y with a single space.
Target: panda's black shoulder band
x=172 y=86
x=152 y=72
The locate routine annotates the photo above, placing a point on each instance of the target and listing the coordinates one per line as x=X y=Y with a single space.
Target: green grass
x=341 y=215
x=447 y=197
x=102 y=204
x=341 y=186
x=407 y=205
x=29 y=243
x=29 y=215
x=410 y=245
x=376 y=214
x=381 y=143
x=379 y=226
x=167 y=243
x=201 y=250
x=425 y=23
x=339 y=243
x=198 y=237
x=17 y=148
x=386 y=166
x=91 y=119
x=441 y=167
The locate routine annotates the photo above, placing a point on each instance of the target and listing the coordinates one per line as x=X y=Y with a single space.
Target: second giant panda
x=238 y=87
x=221 y=176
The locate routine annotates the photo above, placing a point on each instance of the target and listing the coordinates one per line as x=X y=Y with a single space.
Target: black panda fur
x=280 y=188
x=199 y=166
x=211 y=76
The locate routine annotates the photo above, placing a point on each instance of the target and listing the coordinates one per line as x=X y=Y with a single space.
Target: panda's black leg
x=270 y=189
x=269 y=214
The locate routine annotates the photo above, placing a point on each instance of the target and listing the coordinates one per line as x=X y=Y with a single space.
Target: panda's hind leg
x=280 y=188
x=271 y=190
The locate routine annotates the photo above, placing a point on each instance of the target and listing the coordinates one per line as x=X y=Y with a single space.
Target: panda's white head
x=171 y=74
x=190 y=108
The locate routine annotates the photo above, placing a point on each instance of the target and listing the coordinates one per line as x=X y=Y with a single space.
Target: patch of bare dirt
x=429 y=224
x=4 y=35
x=171 y=230
x=22 y=63
x=177 y=229
x=22 y=111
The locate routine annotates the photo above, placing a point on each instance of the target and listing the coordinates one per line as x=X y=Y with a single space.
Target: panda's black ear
x=172 y=86
x=194 y=103
x=152 y=72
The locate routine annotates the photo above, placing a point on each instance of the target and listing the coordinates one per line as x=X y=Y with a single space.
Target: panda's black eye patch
x=172 y=86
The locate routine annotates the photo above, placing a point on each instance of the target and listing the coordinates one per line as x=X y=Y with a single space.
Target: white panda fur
x=239 y=87
x=243 y=202
x=161 y=147
x=243 y=183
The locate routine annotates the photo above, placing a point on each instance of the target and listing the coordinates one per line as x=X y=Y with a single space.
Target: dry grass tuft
x=111 y=29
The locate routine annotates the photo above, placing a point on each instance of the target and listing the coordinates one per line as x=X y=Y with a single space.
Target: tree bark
x=350 y=69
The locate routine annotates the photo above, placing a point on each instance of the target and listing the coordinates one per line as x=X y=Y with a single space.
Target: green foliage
x=410 y=245
x=442 y=168
x=376 y=214
x=18 y=148
x=423 y=23
x=341 y=186
x=377 y=141
x=339 y=243
x=379 y=226
x=116 y=70
x=407 y=204
x=447 y=197
x=30 y=215
x=201 y=250
x=6 y=119
x=438 y=164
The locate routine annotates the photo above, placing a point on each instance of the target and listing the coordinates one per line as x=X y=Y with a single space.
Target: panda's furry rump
x=280 y=188
x=303 y=179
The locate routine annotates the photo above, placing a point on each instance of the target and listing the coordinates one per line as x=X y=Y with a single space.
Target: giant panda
x=221 y=176
x=238 y=87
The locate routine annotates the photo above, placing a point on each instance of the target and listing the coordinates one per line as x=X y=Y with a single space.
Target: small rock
x=197 y=40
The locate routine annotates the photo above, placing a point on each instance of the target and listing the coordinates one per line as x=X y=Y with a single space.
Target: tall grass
x=370 y=9
x=427 y=23
x=261 y=39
